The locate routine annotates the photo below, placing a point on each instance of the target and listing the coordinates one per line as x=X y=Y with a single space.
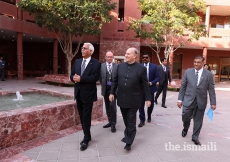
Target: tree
x=69 y=19
x=169 y=23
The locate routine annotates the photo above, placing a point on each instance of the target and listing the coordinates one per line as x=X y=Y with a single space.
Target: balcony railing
x=219 y=33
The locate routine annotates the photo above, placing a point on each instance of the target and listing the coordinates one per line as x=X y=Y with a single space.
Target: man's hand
x=111 y=97
x=213 y=107
x=76 y=78
x=148 y=103
x=157 y=84
x=179 y=104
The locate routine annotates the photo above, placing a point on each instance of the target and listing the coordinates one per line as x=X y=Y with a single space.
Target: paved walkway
x=157 y=141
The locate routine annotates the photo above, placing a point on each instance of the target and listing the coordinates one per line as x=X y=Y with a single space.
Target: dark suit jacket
x=164 y=77
x=154 y=77
x=87 y=85
x=131 y=80
x=189 y=89
x=2 y=64
x=103 y=76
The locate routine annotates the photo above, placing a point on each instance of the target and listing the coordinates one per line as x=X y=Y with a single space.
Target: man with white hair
x=131 y=81
x=85 y=73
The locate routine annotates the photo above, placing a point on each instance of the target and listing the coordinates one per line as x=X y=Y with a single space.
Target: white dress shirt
x=86 y=61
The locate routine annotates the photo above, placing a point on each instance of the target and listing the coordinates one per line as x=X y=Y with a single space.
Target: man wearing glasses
x=153 y=77
x=193 y=97
x=108 y=73
x=85 y=73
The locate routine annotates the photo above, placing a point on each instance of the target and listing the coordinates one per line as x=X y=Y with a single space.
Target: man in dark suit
x=108 y=72
x=85 y=73
x=153 y=77
x=193 y=96
x=131 y=82
x=164 y=72
x=2 y=68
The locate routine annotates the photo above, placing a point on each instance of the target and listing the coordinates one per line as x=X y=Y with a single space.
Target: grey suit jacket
x=103 y=76
x=189 y=90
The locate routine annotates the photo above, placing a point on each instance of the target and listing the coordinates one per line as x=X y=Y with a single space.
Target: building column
x=205 y=50
x=171 y=62
x=20 y=55
x=207 y=19
x=19 y=12
x=55 y=56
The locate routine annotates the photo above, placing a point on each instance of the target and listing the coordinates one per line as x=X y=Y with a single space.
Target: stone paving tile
x=52 y=155
x=69 y=155
x=131 y=158
x=89 y=153
x=109 y=159
x=148 y=157
x=107 y=152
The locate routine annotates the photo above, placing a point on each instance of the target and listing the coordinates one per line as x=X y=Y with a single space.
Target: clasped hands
x=111 y=99
x=76 y=78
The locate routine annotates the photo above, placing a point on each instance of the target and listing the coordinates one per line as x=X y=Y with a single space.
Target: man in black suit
x=131 y=82
x=164 y=72
x=2 y=68
x=108 y=72
x=85 y=73
x=153 y=77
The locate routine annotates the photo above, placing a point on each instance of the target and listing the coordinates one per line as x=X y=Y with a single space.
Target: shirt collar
x=199 y=71
x=108 y=63
x=88 y=59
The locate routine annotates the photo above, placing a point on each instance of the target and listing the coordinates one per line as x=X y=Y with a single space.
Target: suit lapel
x=90 y=64
x=202 y=77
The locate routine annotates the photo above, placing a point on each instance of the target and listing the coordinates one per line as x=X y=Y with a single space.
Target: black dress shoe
x=3 y=79
x=196 y=142
x=107 y=125
x=127 y=147
x=149 y=120
x=83 y=146
x=83 y=142
x=113 y=129
x=184 y=132
x=156 y=102
x=141 y=124
x=163 y=106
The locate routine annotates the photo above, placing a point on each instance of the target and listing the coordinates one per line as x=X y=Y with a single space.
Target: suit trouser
x=129 y=116
x=190 y=112
x=85 y=111
x=111 y=109
x=142 y=108
x=161 y=88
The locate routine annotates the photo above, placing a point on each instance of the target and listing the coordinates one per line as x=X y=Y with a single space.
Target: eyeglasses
x=83 y=48
x=197 y=62
x=145 y=57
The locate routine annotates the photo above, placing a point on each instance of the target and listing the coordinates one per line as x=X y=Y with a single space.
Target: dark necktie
x=197 y=77
x=110 y=71
x=147 y=71
x=83 y=67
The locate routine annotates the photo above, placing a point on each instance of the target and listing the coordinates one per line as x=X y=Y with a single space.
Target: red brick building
x=30 y=50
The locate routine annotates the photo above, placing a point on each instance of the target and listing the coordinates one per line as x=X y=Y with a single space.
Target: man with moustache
x=108 y=72
x=195 y=84
x=85 y=73
x=153 y=77
x=131 y=82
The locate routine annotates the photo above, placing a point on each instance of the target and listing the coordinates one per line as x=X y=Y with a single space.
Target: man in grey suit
x=131 y=82
x=193 y=96
x=108 y=72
